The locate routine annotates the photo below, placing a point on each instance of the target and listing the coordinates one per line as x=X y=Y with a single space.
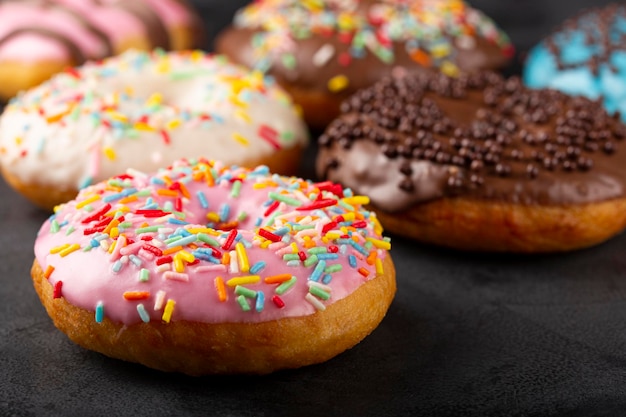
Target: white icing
x=216 y=105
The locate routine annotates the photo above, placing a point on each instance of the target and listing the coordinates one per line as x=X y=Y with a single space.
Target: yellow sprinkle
x=338 y=83
x=259 y=185
x=144 y=127
x=244 y=280
x=117 y=116
x=173 y=124
x=332 y=235
x=18 y=140
x=440 y=51
x=379 y=267
x=109 y=153
x=87 y=201
x=115 y=232
x=380 y=244
x=163 y=67
x=196 y=55
x=450 y=69
x=155 y=99
x=178 y=264
x=243 y=116
x=241 y=139
x=169 y=309
x=357 y=199
x=265 y=244
x=294 y=247
x=59 y=248
x=196 y=230
x=213 y=217
x=69 y=249
x=112 y=247
x=242 y=257
x=129 y=90
x=186 y=256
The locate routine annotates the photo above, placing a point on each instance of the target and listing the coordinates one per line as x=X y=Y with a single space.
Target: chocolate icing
x=413 y=138
x=467 y=53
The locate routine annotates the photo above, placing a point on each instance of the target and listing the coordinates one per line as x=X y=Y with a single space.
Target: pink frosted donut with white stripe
x=235 y=270
x=40 y=37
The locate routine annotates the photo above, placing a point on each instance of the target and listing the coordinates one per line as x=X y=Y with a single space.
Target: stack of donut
x=39 y=38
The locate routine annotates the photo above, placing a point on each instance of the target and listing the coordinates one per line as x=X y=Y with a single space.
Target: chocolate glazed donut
x=323 y=53
x=481 y=162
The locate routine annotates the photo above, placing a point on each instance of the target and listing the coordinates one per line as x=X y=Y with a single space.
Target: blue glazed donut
x=585 y=56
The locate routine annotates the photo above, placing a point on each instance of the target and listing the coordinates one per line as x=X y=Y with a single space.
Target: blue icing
x=541 y=71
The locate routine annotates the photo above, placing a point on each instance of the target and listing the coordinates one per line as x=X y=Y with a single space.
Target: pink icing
x=114 y=22
x=26 y=15
x=88 y=277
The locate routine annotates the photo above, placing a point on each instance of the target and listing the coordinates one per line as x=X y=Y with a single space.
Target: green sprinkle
x=272 y=218
x=333 y=268
x=285 y=199
x=246 y=292
x=236 y=189
x=346 y=205
x=125 y=225
x=172 y=239
x=242 y=216
x=289 y=61
x=243 y=303
x=203 y=237
x=147 y=229
x=144 y=275
x=311 y=260
x=318 y=249
x=291 y=257
x=54 y=227
x=285 y=286
x=319 y=293
x=70 y=230
x=299 y=227
x=143 y=193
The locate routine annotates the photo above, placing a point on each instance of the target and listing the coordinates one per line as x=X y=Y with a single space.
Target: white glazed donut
x=204 y=269
x=144 y=110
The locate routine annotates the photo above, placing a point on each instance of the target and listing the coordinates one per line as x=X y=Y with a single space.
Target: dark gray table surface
x=467 y=334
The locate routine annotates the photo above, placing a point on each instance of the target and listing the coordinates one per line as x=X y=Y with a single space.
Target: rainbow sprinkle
x=325 y=236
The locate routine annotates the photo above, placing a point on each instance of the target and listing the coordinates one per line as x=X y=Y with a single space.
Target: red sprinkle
x=270 y=135
x=302 y=256
x=271 y=208
x=318 y=205
x=73 y=72
x=147 y=238
x=333 y=249
x=95 y=216
x=359 y=225
x=164 y=260
x=329 y=226
x=92 y=230
x=166 y=137
x=269 y=235
x=57 y=289
x=278 y=301
x=178 y=204
x=152 y=249
x=152 y=213
x=230 y=239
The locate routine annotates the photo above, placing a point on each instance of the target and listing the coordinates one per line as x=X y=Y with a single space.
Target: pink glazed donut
x=39 y=38
x=206 y=269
